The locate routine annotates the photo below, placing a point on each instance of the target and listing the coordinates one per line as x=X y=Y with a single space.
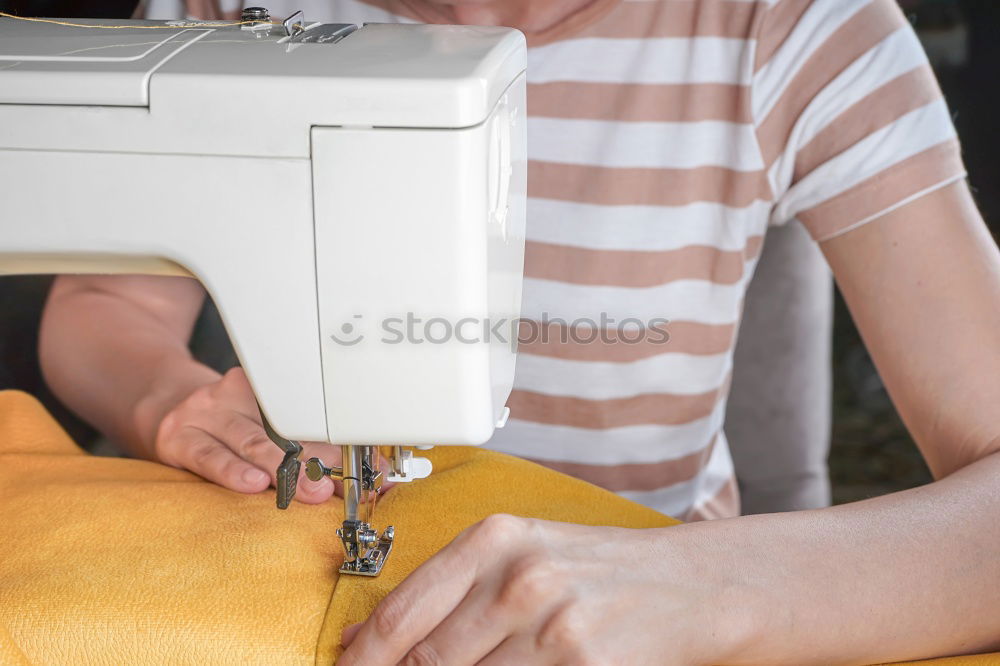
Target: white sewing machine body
x=317 y=190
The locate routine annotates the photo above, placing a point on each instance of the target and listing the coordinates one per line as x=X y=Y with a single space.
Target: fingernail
x=254 y=476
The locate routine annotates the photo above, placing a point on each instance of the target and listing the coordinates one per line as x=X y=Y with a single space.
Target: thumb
x=349 y=633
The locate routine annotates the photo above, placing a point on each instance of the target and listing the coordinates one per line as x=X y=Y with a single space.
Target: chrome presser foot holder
x=376 y=548
x=365 y=552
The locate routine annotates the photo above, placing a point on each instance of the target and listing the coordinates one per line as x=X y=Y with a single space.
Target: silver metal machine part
x=365 y=552
x=255 y=14
x=294 y=24
x=325 y=33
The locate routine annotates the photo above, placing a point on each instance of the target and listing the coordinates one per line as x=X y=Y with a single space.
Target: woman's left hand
x=514 y=590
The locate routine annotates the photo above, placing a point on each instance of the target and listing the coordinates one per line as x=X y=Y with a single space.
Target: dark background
x=871 y=452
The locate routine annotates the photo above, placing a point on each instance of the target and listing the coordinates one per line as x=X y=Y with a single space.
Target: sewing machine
x=325 y=183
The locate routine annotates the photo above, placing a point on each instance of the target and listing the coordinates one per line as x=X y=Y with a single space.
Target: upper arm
x=849 y=118
x=170 y=302
x=923 y=285
x=858 y=144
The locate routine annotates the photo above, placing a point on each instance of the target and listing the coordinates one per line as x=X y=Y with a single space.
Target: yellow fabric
x=979 y=660
x=124 y=561
x=110 y=561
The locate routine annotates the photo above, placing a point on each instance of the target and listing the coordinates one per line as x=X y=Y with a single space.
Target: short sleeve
x=850 y=119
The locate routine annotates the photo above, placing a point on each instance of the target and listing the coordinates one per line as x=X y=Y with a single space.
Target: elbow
x=970 y=451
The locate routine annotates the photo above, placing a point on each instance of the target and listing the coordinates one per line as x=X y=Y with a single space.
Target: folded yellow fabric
x=124 y=561
x=111 y=561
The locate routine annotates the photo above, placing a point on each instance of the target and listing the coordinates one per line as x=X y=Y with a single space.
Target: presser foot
x=359 y=537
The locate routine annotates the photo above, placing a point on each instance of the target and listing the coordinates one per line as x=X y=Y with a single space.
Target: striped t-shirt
x=665 y=136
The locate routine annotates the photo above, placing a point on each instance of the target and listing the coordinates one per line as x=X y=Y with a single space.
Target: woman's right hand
x=216 y=432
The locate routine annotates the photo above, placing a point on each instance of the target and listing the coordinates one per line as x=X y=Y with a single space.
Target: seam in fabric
x=908 y=200
x=322 y=627
x=751 y=64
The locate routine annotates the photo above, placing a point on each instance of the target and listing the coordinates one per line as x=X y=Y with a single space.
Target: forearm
x=118 y=366
x=904 y=576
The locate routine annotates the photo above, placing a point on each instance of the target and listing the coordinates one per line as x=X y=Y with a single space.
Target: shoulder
x=777 y=19
x=799 y=36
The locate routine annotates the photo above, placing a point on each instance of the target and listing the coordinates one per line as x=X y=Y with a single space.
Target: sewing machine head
x=353 y=199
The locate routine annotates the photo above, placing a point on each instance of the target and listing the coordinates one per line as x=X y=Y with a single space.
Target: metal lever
x=288 y=479
x=288 y=471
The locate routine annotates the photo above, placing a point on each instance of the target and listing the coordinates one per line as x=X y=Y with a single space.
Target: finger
x=514 y=651
x=247 y=439
x=209 y=458
x=349 y=632
x=320 y=491
x=234 y=391
x=429 y=595
x=473 y=630
x=243 y=435
x=408 y=613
